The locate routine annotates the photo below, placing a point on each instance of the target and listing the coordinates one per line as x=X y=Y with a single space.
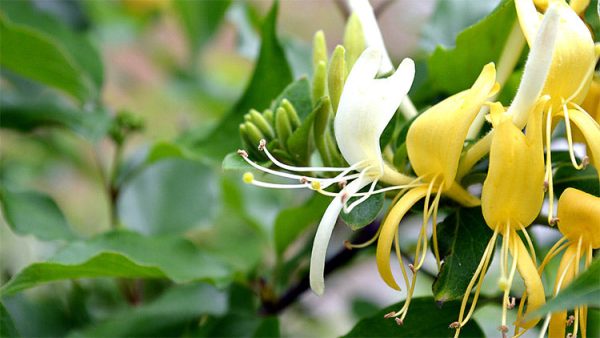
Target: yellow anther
x=315 y=185
x=248 y=178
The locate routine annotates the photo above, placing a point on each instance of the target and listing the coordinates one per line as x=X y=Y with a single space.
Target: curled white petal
x=321 y=241
x=373 y=37
x=537 y=68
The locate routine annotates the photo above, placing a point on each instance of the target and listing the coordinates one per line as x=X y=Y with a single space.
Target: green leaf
x=462 y=239
x=163 y=316
x=34 y=213
x=298 y=93
x=123 y=254
x=200 y=19
x=34 y=54
x=83 y=52
x=271 y=75
x=7 y=326
x=425 y=319
x=234 y=162
x=162 y=150
x=363 y=214
x=584 y=290
x=292 y=222
x=566 y=176
x=454 y=69
x=170 y=196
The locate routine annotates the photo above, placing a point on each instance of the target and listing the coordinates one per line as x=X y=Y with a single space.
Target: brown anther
x=303 y=180
x=504 y=330
x=262 y=144
x=242 y=153
x=389 y=315
x=348 y=246
x=570 y=320
x=342 y=184
x=553 y=221
x=399 y=321
x=570 y=335
x=344 y=197
x=585 y=162
x=511 y=304
x=412 y=268
x=546 y=186
x=454 y=325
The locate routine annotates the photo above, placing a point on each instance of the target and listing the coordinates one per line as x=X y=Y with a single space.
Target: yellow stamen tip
x=315 y=185
x=248 y=178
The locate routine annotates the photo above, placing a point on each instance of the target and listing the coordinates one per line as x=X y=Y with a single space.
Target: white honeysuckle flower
x=372 y=34
x=366 y=107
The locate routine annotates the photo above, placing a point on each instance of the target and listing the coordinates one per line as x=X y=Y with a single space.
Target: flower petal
x=321 y=241
x=579 y=217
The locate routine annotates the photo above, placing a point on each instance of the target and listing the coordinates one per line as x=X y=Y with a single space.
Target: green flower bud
x=261 y=123
x=319 y=81
x=283 y=126
x=354 y=40
x=292 y=114
x=336 y=76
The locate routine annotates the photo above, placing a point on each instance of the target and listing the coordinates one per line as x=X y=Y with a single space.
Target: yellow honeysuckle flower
x=434 y=143
x=365 y=108
x=579 y=222
x=511 y=206
x=570 y=76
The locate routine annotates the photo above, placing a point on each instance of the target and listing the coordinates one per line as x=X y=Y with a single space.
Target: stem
x=113 y=187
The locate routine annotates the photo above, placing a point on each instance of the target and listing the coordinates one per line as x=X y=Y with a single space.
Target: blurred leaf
x=584 y=290
x=233 y=161
x=298 y=93
x=45 y=315
x=169 y=197
x=363 y=307
x=164 y=315
x=162 y=150
x=592 y=18
x=34 y=54
x=454 y=69
x=34 y=213
x=268 y=327
x=462 y=239
x=365 y=213
x=84 y=54
x=566 y=176
x=200 y=19
x=424 y=319
x=292 y=222
x=271 y=75
x=123 y=254
x=7 y=326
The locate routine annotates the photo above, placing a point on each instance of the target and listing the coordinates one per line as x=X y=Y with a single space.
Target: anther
x=262 y=144
x=248 y=177
x=399 y=321
x=412 y=268
x=303 y=180
x=585 y=162
x=553 y=221
x=342 y=184
x=242 y=153
x=512 y=303
x=390 y=315
x=570 y=320
x=315 y=185
x=344 y=197
x=570 y=335
x=454 y=325
x=503 y=329
x=546 y=185
x=348 y=246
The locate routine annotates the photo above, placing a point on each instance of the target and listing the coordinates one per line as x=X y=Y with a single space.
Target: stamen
x=351 y=246
x=399 y=321
x=436 y=250
x=513 y=302
x=257 y=166
x=558 y=287
x=272 y=185
x=548 y=174
x=400 y=260
x=389 y=315
x=529 y=243
x=248 y=178
x=570 y=139
x=263 y=148
x=514 y=238
x=362 y=199
x=570 y=320
x=553 y=221
x=454 y=325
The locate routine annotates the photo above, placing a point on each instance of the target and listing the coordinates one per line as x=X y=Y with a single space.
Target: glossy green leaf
x=164 y=316
x=462 y=239
x=365 y=213
x=83 y=52
x=298 y=93
x=454 y=69
x=7 y=326
x=566 y=176
x=34 y=213
x=170 y=196
x=292 y=222
x=200 y=19
x=35 y=55
x=425 y=319
x=123 y=254
x=271 y=75
x=584 y=290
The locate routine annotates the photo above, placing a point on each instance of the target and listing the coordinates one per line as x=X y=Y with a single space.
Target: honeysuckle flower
x=434 y=143
x=509 y=207
x=579 y=222
x=366 y=106
x=570 y=76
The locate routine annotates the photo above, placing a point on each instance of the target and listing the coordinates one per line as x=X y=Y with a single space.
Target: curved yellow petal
x=435 y=139
x=591 y=103
x=573 y=57
x=564 y=276
x=533 y=282
x=513 y=190
x=579 y=216
x=388 y=231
